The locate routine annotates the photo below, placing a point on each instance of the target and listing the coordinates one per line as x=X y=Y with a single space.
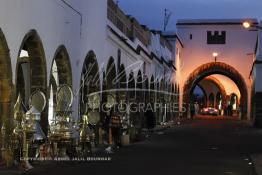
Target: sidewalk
x=101 y=150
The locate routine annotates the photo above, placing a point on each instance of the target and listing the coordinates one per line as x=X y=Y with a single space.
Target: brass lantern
x=62 y=126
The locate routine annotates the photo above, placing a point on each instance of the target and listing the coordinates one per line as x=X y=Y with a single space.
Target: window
x=216 y=37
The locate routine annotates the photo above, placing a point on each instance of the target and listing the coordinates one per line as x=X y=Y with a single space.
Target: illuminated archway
x=217 y=68
x=221 y=89
x=203 y=101
x=211 y=100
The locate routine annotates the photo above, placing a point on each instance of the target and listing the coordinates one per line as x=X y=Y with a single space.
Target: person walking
x=115 y=124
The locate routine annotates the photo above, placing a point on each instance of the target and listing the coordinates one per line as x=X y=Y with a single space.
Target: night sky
x=151 y=12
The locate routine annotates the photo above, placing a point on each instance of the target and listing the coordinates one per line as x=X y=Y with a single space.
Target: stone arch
x=211 y=99
x=61 y=72
x=131 y=100
x=131 y=87
x=217 y=68
x=218 y=98
x=90 y=80
x=122 y=83
x=146 y=89
x=122 y=76
x=111 y=74
x=6 y=85
x=221 y=88
x=31 y=72
x=110 y=82
x=139 y=86
x=231 y=96
x=139 y=96
x=63 y=64
x=205 y=96
x=32 y=43
x=152 y=89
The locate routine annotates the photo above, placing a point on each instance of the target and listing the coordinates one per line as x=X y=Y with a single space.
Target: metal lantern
x=33 y=116
x=91 y=118
x=32 y=131
x=61 y=128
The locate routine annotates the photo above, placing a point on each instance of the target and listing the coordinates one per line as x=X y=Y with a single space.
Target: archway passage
x=139 y=118
x=61 y=67
x=152 y=90
x=217 y=68
x=221 y=88
x=90 y=81
x=122 y=83
x=110 y=83
x=131 y=101
x=6 y=87
x=61 y=74
x=31 y=74
x=146 y=90
x=32 y=54
x=199 y=95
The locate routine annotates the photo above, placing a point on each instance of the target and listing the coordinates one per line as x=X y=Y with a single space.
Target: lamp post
x=215 y=55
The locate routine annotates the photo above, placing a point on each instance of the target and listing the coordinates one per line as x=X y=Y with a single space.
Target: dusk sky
x=151 y=12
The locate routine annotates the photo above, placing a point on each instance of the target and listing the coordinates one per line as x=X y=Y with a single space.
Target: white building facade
x=48 y=44
x=234 y=47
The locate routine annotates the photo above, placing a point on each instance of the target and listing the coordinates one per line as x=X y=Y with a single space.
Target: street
x=197 y=147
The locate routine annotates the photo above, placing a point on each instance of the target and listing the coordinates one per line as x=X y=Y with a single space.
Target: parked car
x=210 y=111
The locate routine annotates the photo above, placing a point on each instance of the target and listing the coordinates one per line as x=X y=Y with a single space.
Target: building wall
x=79 y=25
x=236 y=52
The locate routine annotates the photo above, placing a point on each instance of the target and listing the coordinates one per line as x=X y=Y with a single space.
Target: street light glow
x=246 y=24
x=215 y=54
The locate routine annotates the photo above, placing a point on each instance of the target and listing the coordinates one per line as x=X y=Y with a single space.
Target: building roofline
x=215 y=21
x=175 y=36
x=139 y=49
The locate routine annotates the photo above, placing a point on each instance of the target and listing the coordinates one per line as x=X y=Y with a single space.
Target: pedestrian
x=196 y=108
x=150 y=119
x=192 y=110
x=115 y=124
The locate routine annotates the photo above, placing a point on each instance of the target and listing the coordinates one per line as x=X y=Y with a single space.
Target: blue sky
x=151 y=12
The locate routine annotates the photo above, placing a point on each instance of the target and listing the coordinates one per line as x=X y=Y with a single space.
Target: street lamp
x=248 y=25
x=215 y=54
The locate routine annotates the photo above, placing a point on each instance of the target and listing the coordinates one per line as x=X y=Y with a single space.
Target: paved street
x=199 y=147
